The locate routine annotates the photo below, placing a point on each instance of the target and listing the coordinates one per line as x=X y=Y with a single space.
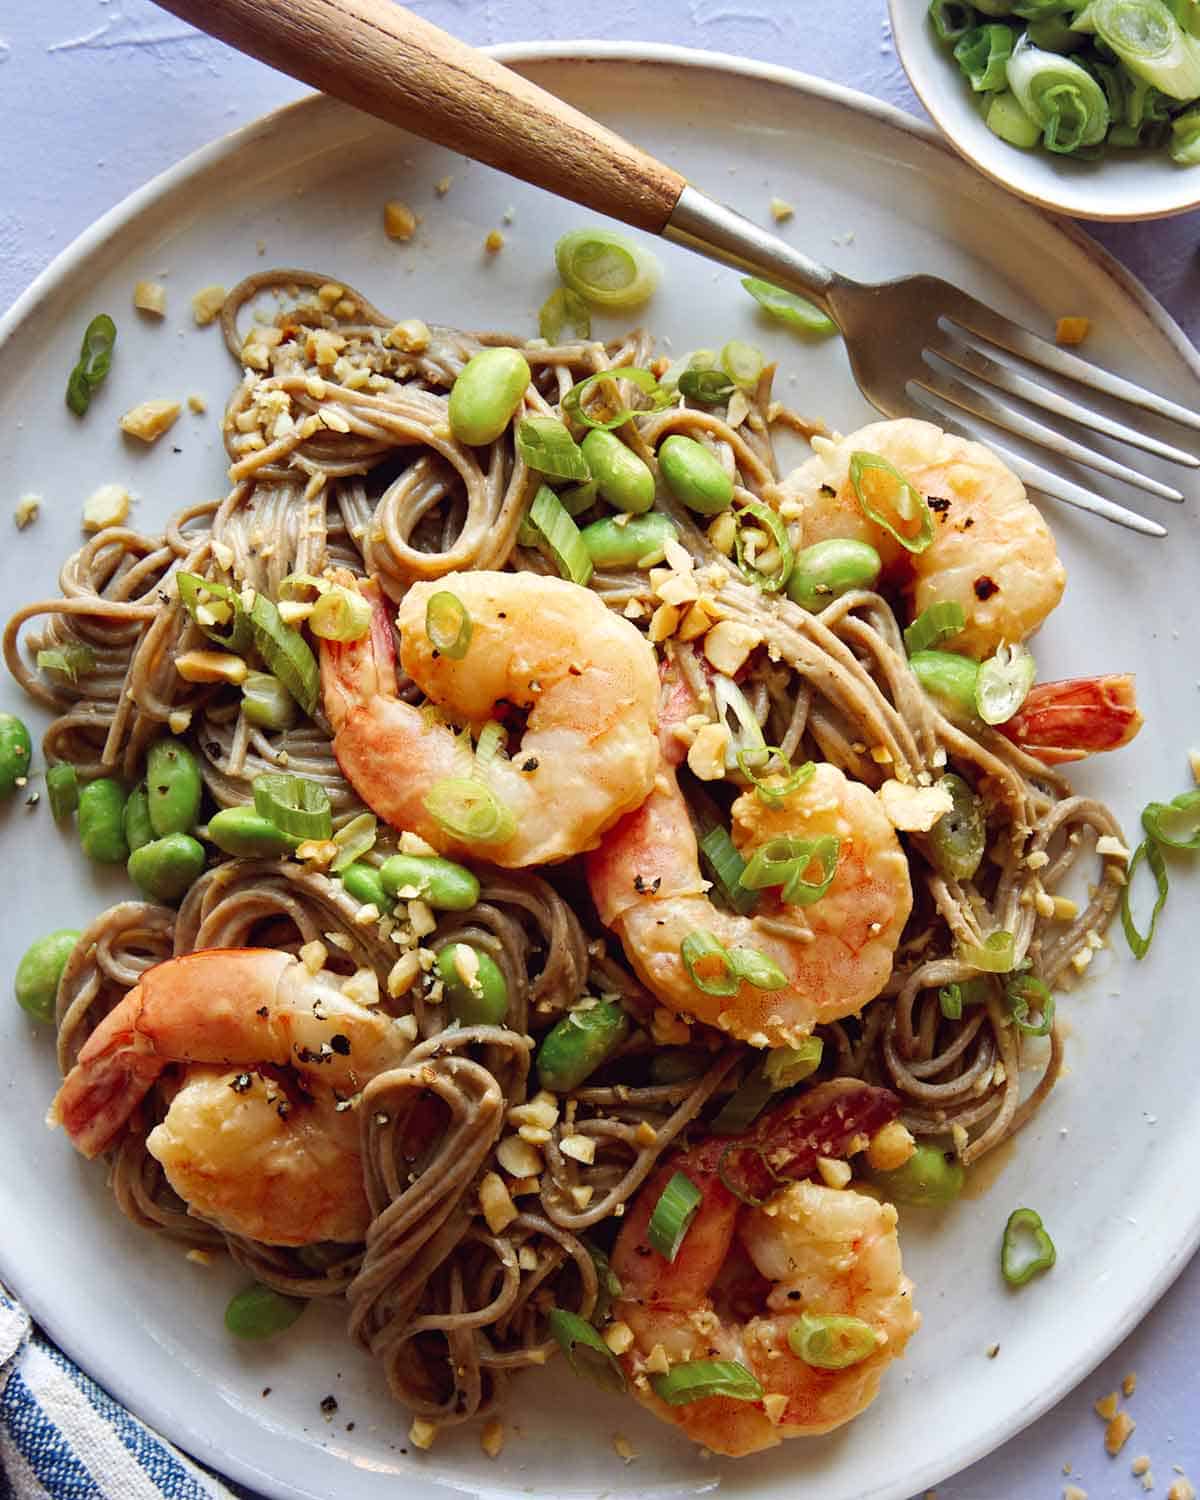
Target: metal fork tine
x=990 y=325
x=1033 y=475
x=1003 y=376
x=969 y=398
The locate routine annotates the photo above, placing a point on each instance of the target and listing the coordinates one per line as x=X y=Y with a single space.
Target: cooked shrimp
x=586 y=676
x=254 y=1138
x=745 y=1276
x=992 y=552
x=1065 y=721
x=836 y=954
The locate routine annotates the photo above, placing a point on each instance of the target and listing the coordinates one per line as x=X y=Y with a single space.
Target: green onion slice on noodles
x=995 y=955
x=586 y=1352
x=218 y=610
x=287 y=654
x=673 y=1215
x=934 y=625
x=561 y=307
x=72 y=661
x=787 y=861
x=558 y=532
x=546 y=445
x=708 y=387
x=354 y=839
x=771 y=579
x=644 y=380
x=295 y=805
x=340 y=614
x=727 y=865
x=469 y=810
x=1023 y=993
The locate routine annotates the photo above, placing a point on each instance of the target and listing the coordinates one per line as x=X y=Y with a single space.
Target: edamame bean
x=947 y=677
x=240 y=831
x=429 y=878
x=831 y=568
x=173 y=786
x=164 y=868
x=260 y=1311
x=15 y=751
x=579 y=1043
x=475 y=987
x=38 y=973
x=929 y=1177
x=624 y=480
x=136 y=821
x=101 y=818
x=957 y=839
x=486 y=395
x=611 y=544
x=694 y=475
x=62 y=789
x=363 y=883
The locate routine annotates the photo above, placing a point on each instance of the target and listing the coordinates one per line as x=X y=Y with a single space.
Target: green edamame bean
x=624 y=480
x=164 y=868
x=475 y=987
x=16 y=749
x=611 y=544
x=136 y=821
x=101 y=820
x=928 y=1178
x=831 y=568
x=579 y=1043
x=486 y=395
x=947 y=677
x=62 y=789
x=38 y=973
x=427 y=877
x=957 y=839
x=240 y=831
x=260 y=1311
x=363 y=883
x=694 y=475
x=173 y=786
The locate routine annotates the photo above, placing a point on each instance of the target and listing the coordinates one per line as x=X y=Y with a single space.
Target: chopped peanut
x=422 y=1433
x=27 y=510
x=624 y=1448
x=579 y=1148
x=494 y=242
x=150 y=419
x=491 y=1439
x=781 y=211
x=107 y=506
x=1129 y=1384
x=706 y=754
x=728 y=645
x=410 y=337
x=211 y=666
x=1072 y=330
x=313 y=956
x=207 y=304
x=1182 y=1489
x=498 y=1207
x=197 y=404
x=775 y=1405
x=519 y=1158
x=663 y=622
x=722 y=532
x=541 y=1110
x=891 y=1146
x=1106 y=1407
x=362 y=987
x=399 y=221
x=1116 y=1434
x=833 y=1172
x=413 y=843
x=657 y=1362
x=913 y=809
x=403 y=974
x=150 y=297
x=619 y=1337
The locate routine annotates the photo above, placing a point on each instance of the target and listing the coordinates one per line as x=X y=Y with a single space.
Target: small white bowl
x=1123 y=185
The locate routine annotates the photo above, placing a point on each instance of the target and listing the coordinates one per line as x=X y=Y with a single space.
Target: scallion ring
x=785 y=861
x=743 y=363
x=606 y=269
x=995 y=955
x=673 y=1215
x=469 y=810
x=788 y=1066
x=934 y=625
x=1023 y=993
x=448 y=624
x=218 y=610
x=708 y=387
x=490 y=743
x=1175 y=824
x=891 y=501
x=953 y=997
x=553 y=527
x=644 y=380
x=786 y=307
x=1017 y=1265
x=1003 y=684
x=708 y=964
x=587 y=1353
x=561 y=307
x=727 y=865
x=831 y=1341
x=1149 y=851
x=734 y=711
x=94 y=363
x=294 y=804
x=700 y=1378
x=354 y=839
x=774 y=578
x=340 y=614
x=266 y=703
x=772 y=792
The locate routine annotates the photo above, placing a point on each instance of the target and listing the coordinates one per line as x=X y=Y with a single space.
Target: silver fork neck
x=711 y=229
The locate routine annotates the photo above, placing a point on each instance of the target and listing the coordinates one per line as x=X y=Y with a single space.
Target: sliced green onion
x=953 y=997
x=959 y=837
x=572 y=402
x=73 y=661
x=230 y=625
x=934 y=625
x=745 y=732
x=294 y=804
x=727 y=865
x=1003 y=683
x=786 y=307
x=773 y=793
x=1005 y=118
x=608 y=1283
x=950 y=19
x=831 y=1341
x=1060 y=96
x=1185 y=139
x=546 y=445
x=709 y=387
x=62 y=789
x=491 y=741
x=697 y=360
x=340 y=614
x=743 y=363
x=1016 y=1264
x=1175 y=823
x=777 y=578
x=995 y=955
x=1149 y=851
x=448 y=625
x=560 y=308
x=354 y=839
x=983 y=54
x=1023 y=993
x=554 y=528
x=757 y=969
x=287 y=654
x=266 y=702
x=700 y=1378
x=1148 y=39
x=575 y=500
x=785 y=1067
x=700 y=952
x=301 y=588
x=785 y=861
x=901 y=505
x=94 y=363
x=470 y=811
x=743 y=1107
x=673 y=1215
x=587 y=1353
x=606 y=269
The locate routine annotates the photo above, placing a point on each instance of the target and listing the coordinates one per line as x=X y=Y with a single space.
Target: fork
x=918 y=346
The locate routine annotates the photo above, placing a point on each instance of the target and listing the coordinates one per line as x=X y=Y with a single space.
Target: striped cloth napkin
x=63 y=1438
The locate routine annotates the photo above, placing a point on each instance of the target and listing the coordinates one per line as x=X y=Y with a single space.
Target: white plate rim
x=1176 y=1249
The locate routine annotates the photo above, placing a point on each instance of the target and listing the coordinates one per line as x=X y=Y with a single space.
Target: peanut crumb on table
x=1106 y=1407
x=1117 y=1433
x=1129 y=1384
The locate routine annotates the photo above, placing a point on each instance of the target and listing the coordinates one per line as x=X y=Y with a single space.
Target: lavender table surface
x=97 y=96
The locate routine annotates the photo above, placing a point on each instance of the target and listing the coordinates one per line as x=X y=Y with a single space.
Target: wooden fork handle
x=387 y=61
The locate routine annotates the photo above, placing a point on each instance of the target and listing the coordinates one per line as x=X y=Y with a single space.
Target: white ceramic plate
x=879 y=196
x=1123 y=185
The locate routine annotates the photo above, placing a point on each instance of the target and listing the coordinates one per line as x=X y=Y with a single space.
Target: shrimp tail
x=784 y=1144
x=355 y=672
x=114 y=1072
x=1081 y=716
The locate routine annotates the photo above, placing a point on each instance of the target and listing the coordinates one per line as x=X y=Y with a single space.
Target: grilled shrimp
x=254 y=1139
x=586 y=677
